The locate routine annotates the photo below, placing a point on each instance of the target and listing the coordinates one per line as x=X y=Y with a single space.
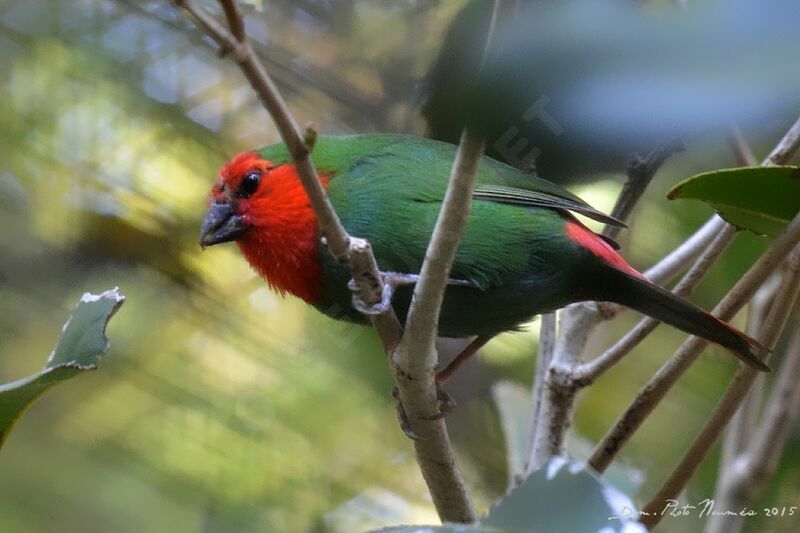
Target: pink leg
x=465 y=354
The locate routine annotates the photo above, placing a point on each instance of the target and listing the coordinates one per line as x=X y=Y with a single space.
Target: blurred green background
x=222 y=406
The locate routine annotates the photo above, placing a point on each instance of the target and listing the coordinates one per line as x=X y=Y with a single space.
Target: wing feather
x=526 y=197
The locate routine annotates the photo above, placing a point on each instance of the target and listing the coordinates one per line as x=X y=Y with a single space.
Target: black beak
x=220 y=225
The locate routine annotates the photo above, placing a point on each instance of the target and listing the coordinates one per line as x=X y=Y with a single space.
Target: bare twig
x=788 y=146
x=784 y=403
x=658 y=386
x=415 y=359
x=748 y=471
x=641 y=171
x=547 y=344
x=555 y=397
x=235 y=19
x=669 y=266
x=590 y=371
x=737 y=390
x=559 y=392
x=744 y=421
x=435 y=453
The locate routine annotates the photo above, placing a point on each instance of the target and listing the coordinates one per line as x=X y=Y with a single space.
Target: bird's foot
x=446 y=404
x=391 y=281
x=402 y=417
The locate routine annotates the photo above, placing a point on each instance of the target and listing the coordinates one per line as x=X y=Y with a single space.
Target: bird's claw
x=378 y=308
x=402 y=417
x=391 y=281
x=446 y=404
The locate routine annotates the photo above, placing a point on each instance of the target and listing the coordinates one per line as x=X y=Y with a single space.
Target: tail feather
x=657 y=302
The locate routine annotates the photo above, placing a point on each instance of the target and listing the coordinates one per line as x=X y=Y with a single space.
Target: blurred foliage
x=228 y=408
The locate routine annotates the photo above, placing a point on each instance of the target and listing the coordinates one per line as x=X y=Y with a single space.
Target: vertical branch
x=559 y=392
x=547 y=344
x=761 y=458
x=555 y=396
x=414 y=360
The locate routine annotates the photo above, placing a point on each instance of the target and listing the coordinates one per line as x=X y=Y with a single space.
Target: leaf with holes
x=80 y=346
x=760 y=199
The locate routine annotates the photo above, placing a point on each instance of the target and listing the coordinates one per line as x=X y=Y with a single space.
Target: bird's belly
x=470 y=311
x=467 y=312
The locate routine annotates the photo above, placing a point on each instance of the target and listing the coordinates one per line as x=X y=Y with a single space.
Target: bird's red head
x=264 y=208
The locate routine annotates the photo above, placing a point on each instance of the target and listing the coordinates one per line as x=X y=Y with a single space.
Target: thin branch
x=744 y=422
x=435 y=454
x=590 y=371
x=788 y=146
x=748 y=472
x=669 y=266
x=555 y=399
x=770 y=437
x=415 y=359
x=559 y=391
x=744 y=155
x=641 y=171
x=544 y=356
x=658 y=386
x=737 y=390
x=235 y=19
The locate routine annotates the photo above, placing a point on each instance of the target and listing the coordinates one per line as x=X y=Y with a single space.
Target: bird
x=523 y=252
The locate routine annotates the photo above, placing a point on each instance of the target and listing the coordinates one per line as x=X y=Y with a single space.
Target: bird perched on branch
x=523 y=251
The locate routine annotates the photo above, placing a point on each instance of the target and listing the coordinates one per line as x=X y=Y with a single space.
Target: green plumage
x=388 y=189
x=516 y=251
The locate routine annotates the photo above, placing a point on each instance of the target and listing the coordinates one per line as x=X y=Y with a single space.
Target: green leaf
x=81 y=344
x=760 y=199
x=563 y=496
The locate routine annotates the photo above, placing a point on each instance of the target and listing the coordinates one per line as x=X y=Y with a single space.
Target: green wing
x=534 y=198
x=420 y=168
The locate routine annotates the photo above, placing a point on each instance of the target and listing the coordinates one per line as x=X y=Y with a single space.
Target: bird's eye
x=249 y=183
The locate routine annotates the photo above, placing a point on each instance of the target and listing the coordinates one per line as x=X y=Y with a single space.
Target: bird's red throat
x=282 y=243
